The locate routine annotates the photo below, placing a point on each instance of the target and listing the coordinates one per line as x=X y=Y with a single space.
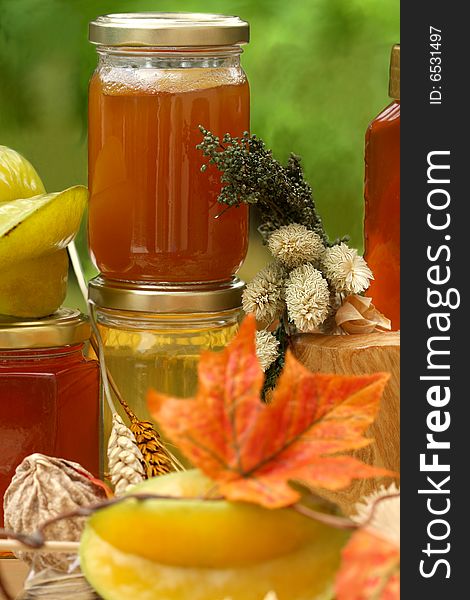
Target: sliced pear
x=36 y=287
x=33 y=227
x=196 y=549
x=18 y=178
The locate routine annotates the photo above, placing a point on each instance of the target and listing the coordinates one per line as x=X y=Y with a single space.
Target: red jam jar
x=49 y=393
x=382 y=197
x=153 y=214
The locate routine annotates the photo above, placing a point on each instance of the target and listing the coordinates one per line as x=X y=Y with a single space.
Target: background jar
x=153 y=337
x=153 y=214
x=49 y=393
x=382 y=200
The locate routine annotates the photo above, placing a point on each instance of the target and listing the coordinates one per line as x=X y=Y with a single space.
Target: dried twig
x=77 y=268
x=325 y=518
x=16 y=546
x=37 y=541
x=340 y=522
x=101 y=358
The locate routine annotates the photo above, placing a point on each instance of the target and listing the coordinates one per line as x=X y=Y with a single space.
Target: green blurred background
x=318 y=71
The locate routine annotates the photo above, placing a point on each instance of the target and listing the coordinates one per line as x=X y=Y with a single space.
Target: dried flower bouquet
x=311 y=285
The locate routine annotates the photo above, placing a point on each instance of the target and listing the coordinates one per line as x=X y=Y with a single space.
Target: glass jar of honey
x=153 y=215
x=153 y=336
x=49 y=393
x=382 y=197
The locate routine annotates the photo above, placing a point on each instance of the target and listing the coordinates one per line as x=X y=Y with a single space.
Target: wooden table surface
x=14 y=573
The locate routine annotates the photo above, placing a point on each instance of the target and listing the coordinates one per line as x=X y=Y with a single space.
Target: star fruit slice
x=40 y=225
x=34 y=288
x=185 y=547
x=18 y=178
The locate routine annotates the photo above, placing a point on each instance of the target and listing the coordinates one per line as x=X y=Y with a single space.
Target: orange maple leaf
x=252 y=449
x=370 y=569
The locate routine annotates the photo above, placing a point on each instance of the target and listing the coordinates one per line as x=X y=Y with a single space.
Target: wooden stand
x=359 y=355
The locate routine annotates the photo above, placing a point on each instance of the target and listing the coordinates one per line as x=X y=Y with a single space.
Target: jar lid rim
x=166 y=298
x=168 y=29
x=66 y=327
x=394 y=80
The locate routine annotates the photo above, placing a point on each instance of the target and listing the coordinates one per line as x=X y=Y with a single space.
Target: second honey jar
x=154 y=216
x=382 y=197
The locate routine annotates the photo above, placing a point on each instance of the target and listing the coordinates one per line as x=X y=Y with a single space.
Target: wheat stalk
x=125 y=460
x=157 y=459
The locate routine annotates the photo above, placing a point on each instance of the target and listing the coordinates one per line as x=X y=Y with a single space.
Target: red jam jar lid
x=65 y=327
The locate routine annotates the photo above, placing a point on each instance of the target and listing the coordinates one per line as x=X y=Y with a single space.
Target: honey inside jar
x=153 y=214
x=153 y=336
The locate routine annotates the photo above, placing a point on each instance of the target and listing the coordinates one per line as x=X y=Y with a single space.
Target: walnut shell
x=44 y=487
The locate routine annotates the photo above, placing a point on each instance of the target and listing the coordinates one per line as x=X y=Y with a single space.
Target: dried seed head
x=307 y=298
x=267 y=348
x=346 y=271
x=294 y=245
x=263 y=296
x=157 y=460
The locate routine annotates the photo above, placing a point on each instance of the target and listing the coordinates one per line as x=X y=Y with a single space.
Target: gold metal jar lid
x=65 y=327
x=166 y=298
x=394 y=82
x=160 y=29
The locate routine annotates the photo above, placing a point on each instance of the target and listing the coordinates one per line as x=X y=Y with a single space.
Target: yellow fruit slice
x=196 y=549
x=32 y=227
x=18 y=178
x=172 y=527
x=307 y=574
x=36 y=287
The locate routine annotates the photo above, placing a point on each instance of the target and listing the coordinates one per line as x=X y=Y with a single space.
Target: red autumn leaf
x=252 y=449
x=370 y=569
